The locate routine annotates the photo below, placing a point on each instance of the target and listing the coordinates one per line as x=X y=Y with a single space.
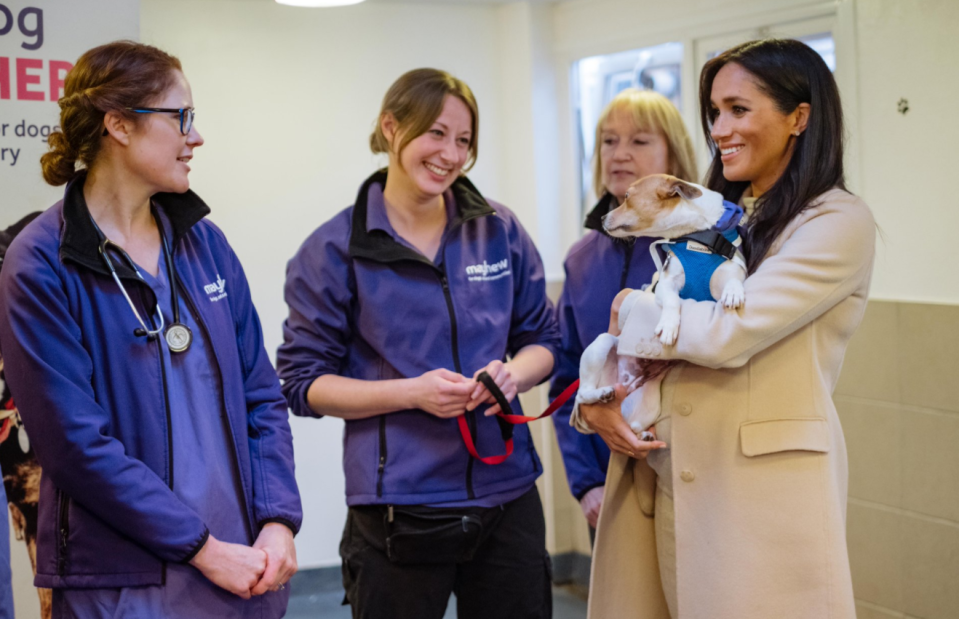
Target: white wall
x=910 y=49
x=286 y=99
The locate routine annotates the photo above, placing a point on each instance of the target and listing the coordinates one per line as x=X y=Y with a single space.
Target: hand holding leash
x=441 y=392
x=501 y=375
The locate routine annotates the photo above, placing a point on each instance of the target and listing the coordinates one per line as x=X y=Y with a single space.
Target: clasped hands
x=448 y=394
x=248 y=571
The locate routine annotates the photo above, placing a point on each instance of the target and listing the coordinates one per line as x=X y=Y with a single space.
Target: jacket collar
x=377 y=244
x=80 y=242
x=594 y=220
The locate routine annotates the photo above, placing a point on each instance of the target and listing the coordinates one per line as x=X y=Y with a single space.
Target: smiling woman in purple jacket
x=136 y=359
x=396 y=305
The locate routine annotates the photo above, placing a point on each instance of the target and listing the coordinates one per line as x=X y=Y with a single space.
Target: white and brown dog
x=703 y=261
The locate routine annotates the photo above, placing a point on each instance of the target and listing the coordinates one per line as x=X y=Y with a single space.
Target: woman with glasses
x=136 y=359
x=397 y=305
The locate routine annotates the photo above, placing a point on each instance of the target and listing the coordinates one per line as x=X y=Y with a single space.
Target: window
x=600 y=78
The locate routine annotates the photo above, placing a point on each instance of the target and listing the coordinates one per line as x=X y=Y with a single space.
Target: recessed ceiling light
x=318 y=3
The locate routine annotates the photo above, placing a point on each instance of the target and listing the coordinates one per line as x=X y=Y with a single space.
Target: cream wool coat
x=758 y=456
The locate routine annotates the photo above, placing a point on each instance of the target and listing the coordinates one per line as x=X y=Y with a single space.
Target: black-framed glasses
x=186 y=115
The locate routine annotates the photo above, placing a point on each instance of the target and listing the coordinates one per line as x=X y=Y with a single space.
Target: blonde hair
x=651 y=112
x=415 y=101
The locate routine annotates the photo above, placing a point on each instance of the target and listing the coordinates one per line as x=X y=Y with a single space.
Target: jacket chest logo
x=487 y=272
x=216 y=290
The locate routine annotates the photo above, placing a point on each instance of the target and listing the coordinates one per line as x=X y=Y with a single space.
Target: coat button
x=685 y=409
x=687 y=475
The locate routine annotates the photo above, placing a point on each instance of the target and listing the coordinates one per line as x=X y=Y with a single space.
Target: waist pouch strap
x=507 y=419
x=411 y=534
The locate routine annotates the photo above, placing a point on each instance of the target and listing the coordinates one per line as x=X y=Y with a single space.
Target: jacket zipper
x=381 y=467
x=454 y=338
x=64 y=509
x=224 y=416
x=629 y=259
x=471 y=416
x=169 y=416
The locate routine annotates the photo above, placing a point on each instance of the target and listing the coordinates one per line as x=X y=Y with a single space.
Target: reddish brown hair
x=109 y=78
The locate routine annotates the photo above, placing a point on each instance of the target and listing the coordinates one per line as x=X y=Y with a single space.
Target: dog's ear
x=676 y=188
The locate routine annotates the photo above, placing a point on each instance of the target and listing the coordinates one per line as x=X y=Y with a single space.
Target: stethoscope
x=178 y=336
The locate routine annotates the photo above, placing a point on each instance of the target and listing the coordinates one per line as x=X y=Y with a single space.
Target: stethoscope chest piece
x=179 y=337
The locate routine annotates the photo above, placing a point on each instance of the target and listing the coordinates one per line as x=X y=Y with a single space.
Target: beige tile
x=930 y=569
x=930 y=464
x=873 y=441
x=871 y=366
x=564 y=531
x=929 y=355
x=875 y=555
x=553 y=290
x=869 y=612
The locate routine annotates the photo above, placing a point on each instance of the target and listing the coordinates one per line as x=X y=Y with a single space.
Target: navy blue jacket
x=365 y=305
x=93 y=396
x=597 y=267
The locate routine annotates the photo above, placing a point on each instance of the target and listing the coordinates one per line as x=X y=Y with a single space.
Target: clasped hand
x=247 y=571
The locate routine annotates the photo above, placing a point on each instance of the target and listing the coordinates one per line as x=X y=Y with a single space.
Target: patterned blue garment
x=204 y=478
x=6 y=587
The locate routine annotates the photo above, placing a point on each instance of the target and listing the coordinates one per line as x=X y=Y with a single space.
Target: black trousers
x=509 y=576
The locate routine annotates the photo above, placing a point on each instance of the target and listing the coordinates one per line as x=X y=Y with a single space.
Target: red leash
x=507 y=419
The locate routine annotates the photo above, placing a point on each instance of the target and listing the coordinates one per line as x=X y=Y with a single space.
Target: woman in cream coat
x=743 y=516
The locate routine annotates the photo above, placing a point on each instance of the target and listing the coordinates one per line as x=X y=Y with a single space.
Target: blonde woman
x=396 y=305
x=638 y=134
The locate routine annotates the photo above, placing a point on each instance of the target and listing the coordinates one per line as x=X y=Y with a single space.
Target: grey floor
x=317 y=594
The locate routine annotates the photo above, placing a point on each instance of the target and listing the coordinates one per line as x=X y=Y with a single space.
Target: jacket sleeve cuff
x=579 y=496
x=288 y=524
x=198 y=547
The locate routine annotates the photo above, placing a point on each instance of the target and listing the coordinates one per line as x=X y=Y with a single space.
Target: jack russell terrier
x=703 y=261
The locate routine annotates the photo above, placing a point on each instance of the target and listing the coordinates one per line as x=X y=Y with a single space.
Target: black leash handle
x=505 y=428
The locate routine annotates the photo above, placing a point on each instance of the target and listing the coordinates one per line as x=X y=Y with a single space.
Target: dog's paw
x=733 y=296
x=667 y=330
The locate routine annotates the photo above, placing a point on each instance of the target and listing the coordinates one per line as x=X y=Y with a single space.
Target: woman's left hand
x=276 y=540
x=503 y=377
x=606 y=419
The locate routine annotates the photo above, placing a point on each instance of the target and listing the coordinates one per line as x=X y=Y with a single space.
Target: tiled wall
x=898 y=399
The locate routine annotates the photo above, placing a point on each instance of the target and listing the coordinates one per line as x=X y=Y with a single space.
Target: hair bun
x=60 y=162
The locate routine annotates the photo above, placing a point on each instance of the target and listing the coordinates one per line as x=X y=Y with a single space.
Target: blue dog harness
x=701 y=253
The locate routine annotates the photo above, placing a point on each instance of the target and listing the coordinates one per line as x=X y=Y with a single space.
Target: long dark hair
x=790 y=73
